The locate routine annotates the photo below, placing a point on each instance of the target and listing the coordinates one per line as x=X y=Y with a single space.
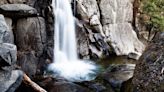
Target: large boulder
x=149 y=72
x=30 y=38
x=124 y=40
x=31 y=34
x=117 y=27
x=117 y=74
x=9 y=80
x=12 y=1
x=10 y=83
x=17 y=10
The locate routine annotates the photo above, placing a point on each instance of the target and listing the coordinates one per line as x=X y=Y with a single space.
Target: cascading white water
x=66 y=63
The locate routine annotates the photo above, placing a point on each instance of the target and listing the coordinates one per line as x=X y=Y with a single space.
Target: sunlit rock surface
x=112 y=19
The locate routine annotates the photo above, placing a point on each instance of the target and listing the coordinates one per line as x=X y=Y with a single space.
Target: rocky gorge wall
x=109 y=27
x=103 y=27
x=26 y=40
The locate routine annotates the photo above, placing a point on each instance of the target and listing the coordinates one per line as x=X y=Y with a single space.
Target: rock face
x=30 y=38
x=112 y=20
x=82 y=41
x=124 y=40
x=9 y=79
x=149 y=72
x=6 y=34
x=33 y=34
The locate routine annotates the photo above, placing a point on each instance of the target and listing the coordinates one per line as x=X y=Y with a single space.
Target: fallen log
x=32 y=84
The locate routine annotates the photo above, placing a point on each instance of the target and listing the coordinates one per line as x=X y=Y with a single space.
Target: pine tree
x=154 y=11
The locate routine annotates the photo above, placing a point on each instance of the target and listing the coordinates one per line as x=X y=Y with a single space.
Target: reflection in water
x=115 y=60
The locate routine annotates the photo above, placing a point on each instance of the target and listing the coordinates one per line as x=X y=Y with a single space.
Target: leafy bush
x=153 y=10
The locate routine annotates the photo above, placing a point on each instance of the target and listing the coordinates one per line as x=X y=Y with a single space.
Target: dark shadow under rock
x=60 y=85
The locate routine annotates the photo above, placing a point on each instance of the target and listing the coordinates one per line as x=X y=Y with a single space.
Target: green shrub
x=153 y=10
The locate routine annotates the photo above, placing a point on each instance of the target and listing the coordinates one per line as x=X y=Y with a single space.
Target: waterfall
x=66 y=63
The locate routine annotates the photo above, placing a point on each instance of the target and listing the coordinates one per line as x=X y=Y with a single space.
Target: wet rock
x=6 y=34
x=149 y=75
x=82 y=41
x=17 y=10
x=117 y=74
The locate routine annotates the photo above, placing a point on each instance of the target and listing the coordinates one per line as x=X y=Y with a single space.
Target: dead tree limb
x=32 y=84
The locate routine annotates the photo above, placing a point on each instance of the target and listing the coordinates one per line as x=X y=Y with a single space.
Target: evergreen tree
x=154 y=12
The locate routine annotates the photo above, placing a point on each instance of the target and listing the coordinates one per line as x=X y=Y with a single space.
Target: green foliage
x=154 y=12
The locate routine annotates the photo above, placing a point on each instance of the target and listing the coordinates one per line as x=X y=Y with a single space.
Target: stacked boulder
x=29 y=31
x=23 y=40
x=9 y=79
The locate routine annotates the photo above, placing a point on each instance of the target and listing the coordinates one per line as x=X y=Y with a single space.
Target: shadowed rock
x=149 y=72
x=30 y=38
